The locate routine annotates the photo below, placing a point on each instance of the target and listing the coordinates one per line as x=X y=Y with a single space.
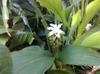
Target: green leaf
x=21 y=38
x=78 y=55
x=92 y=42
x=38 y=11
x=60 y=72
x=31 y=60
x=75 y=2
x=2 y=29
x=91 y=9
x=55 y=7
x=5 y=61
x=52 y=5
x=76 y=19
x=4 y=38
x=68 y=11
x=25 y=37
x=18 y=26
x=97 y=72
x=5 y=15
x=16 y=19
x=1 y=21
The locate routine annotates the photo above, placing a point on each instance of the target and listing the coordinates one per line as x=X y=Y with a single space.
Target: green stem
x=83 y=7
x=58 y=63
x=37 y=10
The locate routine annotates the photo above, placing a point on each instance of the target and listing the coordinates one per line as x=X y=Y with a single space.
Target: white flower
x=55 y=30
x=88 y=27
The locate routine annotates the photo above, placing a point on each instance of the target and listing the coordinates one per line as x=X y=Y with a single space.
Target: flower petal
x=50 y=28
x=88 y=27
x=55 y=30
x=61 y=32
x=59 y=26
x=53 y=25
x=50 y=33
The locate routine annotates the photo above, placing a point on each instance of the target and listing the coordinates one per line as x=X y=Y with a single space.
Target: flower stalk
x=55 y=36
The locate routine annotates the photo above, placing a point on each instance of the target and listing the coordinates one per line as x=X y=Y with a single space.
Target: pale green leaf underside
x=78 y=55
x=31 y=60
x=5 y=61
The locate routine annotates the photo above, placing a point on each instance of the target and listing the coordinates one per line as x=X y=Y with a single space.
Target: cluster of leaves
x=24 y=44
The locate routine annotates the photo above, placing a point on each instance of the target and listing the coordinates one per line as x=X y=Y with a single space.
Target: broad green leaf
x=97 y=19
x=1 y=21
x=49 y=18
x=91 y=9
x=60 y=72
x=5 y=15
x=52 y=5
x=4 y=38
x=75 y=2
x=76 y=19
x=21 y=38
x=55 y=7
x=92 y=40
x=31 y=60
x=38 y=11
x=25 y=20
x=16 y=19
x=18 y=9
x=78 y=55
x=86 y=35
x=18 y=27
x=5 y=61
x=68 y=11
x=2 y=29
x=97 y=72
